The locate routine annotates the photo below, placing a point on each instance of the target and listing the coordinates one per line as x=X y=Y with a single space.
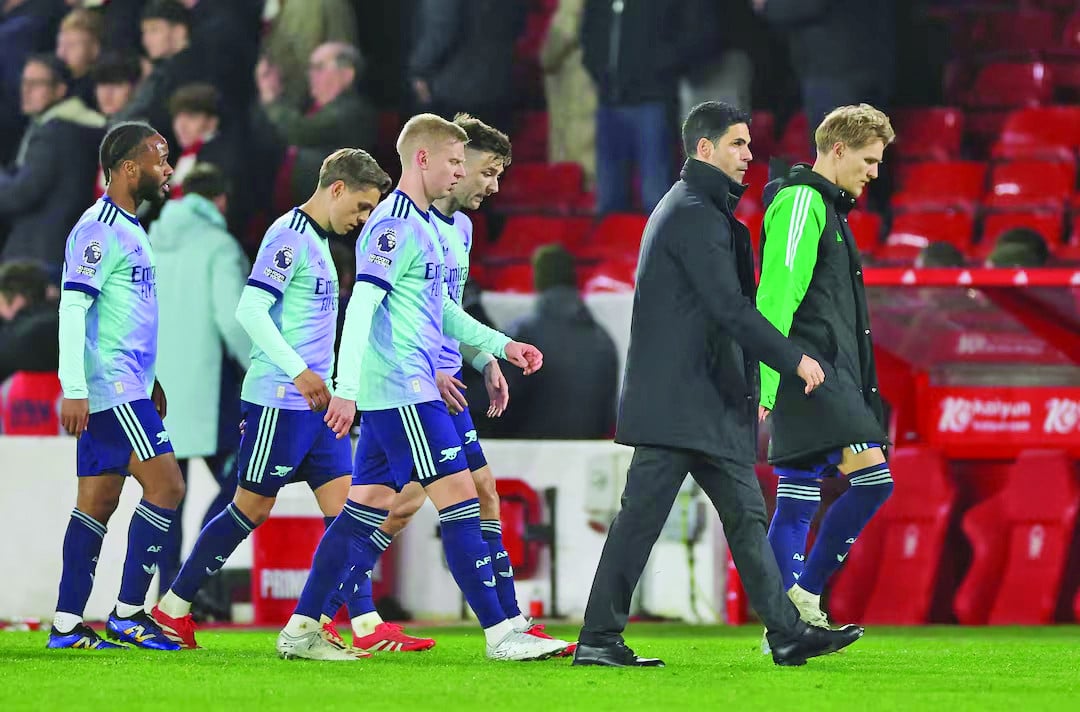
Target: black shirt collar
x=421 y=213
x=710 y=180
x=448 y=219
x=314 y=225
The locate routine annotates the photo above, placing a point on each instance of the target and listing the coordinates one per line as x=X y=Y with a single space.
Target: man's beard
x=148 y=190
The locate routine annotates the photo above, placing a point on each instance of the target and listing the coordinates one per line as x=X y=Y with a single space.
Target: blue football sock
x=843 y=523
x=337 y=596
x=356 y=587
x=82 y=545
x=491 y=530
x=797 y=499
x=147 y=534
x=347 y=542
x=215 y=545
x=469 y=557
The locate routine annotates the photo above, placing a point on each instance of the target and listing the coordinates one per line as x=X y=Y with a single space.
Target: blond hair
x=86 y=21
x=856 y=126
x=424 y=130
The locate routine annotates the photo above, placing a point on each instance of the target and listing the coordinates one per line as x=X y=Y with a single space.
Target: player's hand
x=268 y=81
x=497 y=389
x=157 y=397
x=762 y=413
x=74 y=415
x=340 y=415
x=313 y=389
x=450 y=389
x=525 y=356
x=810 y=371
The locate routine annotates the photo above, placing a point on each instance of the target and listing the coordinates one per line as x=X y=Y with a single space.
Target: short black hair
x=711 y=120
x=207 y=180
x=941 y=254
x=120 y=143
x=1019 y=247
x=484 y=138
x=26 y=278
x=60 y=72
x=116 y=68
x=171 y=11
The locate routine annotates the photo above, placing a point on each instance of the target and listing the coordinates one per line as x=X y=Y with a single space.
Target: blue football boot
x=140 y=630
x=81 y=637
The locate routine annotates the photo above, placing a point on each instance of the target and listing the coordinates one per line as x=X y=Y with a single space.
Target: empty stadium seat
x=614 y=275
x=928 y=134
x=757 y=175
x=1047 y=223
x=890 y=575
x=541 y=188
x=1011 y=32
x=941 y=184
x=1045 y=133
x=1031 y=184
x=911 y=231
x=795 y=142
x=617 y=236
x=522 y=234
x=31 y=403
x=512 y=279
x=762 y=135
x=1011 y=84
x=530 y=136
x=1020 y=538
x=866 y=227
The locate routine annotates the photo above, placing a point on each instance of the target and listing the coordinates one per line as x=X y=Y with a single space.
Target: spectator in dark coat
x=51 y=180
x=463 y=56
x=338 y=116
x=573 y=396
x=636 y=52
x=166 y=36
x=29 y=322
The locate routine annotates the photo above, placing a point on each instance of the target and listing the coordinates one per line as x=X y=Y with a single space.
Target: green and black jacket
x=812 y=291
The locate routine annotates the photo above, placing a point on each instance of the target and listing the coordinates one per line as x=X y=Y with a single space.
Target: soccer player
x=387 y=362
x=112 y=403
x=487 y=154
x=812 y=290
x=289 y=308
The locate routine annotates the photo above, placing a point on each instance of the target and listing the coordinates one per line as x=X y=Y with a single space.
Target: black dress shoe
x=814 y=641
x=613 y=655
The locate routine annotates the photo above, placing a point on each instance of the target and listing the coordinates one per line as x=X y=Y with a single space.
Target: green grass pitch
x=936 y=668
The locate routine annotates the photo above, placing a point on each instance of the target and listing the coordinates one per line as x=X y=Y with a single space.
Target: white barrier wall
x=37 y=493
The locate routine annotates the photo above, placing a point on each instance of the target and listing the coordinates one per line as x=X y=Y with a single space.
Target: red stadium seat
x=928 y=134
x=1043 y=133
x=615 y=275
x=890 y=575
x=31 y=403
x=540 y=188
x=1048 y=223
x=795 y=142
x=522 y=234
x=617 y=236
x=1031 y=184
x=1009 y=32
x=1020 y=538
x=521 y=513
x=530 y=136
x=512 y=279
x=866 y=227
x=762 y=135
x=955 y=226
x=944 y=184
x=1008 y=84
x=757 y=175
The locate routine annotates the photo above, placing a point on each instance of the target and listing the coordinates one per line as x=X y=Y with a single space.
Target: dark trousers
x=652 y=484
x=629 y=137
